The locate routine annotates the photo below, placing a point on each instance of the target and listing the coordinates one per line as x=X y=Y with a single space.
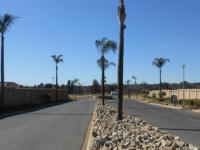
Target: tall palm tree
x=104 y=45
x=135 y=79
x=160 y=62
x=75 y=81
x=122 y=17
x=5 y=23
x=57 y=60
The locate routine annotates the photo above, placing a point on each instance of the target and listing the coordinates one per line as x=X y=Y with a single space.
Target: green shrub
x=162 y=94
x=191 y=103
x=154 y=95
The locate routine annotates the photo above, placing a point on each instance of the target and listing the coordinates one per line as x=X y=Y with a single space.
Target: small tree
x=95 y=87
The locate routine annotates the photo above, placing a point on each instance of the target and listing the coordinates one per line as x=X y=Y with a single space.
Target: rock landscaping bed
x=132 y=133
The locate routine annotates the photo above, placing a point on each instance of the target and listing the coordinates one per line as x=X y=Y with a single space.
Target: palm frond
x=59 y=56
x=134 y=77
x=54 y=57
x=60 y=60
x=5 y=22
x=57 y=59
x=109 y=45
x=99 y=44
x=102 y=60
x=99 y=63
x=160 y=62
x=104 y=45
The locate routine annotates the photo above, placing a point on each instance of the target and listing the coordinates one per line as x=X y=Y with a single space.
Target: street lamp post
x=135 y=85
x=183 y=66
x=53 y=80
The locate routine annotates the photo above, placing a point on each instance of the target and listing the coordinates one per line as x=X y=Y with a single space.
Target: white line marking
x=5 y=131
x=168 y=114
x=151 y=109
x=43 y=118
x=193 y=120
x=19 y=129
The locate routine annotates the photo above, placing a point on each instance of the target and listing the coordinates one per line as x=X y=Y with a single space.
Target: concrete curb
x=167 y=106
x=196 y=110
x=161 y=105
x=88 y=135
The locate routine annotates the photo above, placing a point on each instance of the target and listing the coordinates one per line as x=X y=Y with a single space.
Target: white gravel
x=132 y=133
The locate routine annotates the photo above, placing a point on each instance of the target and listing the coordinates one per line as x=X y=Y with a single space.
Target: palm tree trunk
x=160 y=85
x=56 y=82
x=120 y=59
x=2 y=73
x=120 y=76
x=103 y=82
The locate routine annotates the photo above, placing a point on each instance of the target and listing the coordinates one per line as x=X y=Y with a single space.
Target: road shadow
x=52 y=114
x=181 y=129
x=30 y=108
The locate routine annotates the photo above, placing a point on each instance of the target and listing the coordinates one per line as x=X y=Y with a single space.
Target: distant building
x=10 y=84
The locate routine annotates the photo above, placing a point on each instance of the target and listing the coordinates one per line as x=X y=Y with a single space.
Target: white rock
x=138 y=120
x=131 y=133
x=176 y=138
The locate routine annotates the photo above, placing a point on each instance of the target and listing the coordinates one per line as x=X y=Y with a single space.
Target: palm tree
x=5 y=23
x=160 y=62
x=135 y=79
x=122 y=17
x=104 y=45
x=75 y=81
x=128 y=88
x=57 y=60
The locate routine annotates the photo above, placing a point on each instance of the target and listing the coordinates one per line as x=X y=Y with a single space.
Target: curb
x=161 y=105
x=196 y=110
x=87 y=137
x=167 y=106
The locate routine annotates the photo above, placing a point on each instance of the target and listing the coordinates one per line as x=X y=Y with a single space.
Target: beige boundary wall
x=26 y=96
x=180 y=93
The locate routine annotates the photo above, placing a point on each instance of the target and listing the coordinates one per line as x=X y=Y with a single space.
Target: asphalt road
x=60 y=127
x=184 y=123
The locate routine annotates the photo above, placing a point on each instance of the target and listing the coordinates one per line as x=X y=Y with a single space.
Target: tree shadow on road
x=52 y=114
x=30 y=108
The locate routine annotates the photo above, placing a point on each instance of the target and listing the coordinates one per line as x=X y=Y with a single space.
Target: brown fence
x=25 y=96
x=186 y=94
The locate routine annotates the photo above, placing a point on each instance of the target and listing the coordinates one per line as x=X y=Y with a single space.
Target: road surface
x=184 y=123
x=61 y=127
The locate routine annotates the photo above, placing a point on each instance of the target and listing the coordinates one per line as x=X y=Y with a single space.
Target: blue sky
x=155 y=28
